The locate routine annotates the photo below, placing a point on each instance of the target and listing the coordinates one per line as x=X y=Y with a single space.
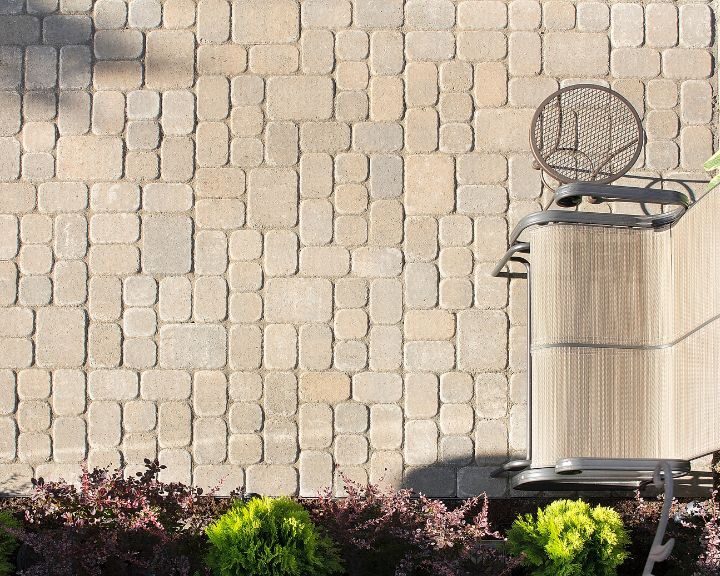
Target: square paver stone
x=272 y=198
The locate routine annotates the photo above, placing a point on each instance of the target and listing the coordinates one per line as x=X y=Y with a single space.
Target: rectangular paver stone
x=421 y=442
x=169 y=59
x=112 y=385
x=272 y=479
x=429 y=184
x=502 y=130
x=167 y=244
x=266 y=21
x=324 y=386
x=272 y=198
x=60 y=341
x=326 y=13
x=378 y=13
x=298 y=300
x=481 y=340
x=284 y=101
x=19 y=29
x=89 y=158
x=590 y=54
x=380 y=387
x=40 y=67
x=187 y=346
x=678 y=63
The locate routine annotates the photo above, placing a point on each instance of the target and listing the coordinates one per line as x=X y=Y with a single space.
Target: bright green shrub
x=569 y=538
x=269 y=537
x=8 y=542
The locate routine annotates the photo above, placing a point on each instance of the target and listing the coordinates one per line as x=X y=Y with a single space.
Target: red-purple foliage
x=396 y=532
x=708 y=512
x=116 y=525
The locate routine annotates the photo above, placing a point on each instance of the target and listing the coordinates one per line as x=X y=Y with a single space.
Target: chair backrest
x=626 y=339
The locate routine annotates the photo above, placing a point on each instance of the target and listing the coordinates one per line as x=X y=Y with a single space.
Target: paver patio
x=254 y=238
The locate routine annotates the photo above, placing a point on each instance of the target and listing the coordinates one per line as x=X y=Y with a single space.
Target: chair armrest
x=509 y=255
x=594 y=219
x=571 y=195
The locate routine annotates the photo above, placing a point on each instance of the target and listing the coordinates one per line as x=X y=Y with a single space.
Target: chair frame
x=582 y=473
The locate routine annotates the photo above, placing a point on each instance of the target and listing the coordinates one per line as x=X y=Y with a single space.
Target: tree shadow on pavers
x=45 y=57
x=48 y=30
x=57 y=53
x=15 y=480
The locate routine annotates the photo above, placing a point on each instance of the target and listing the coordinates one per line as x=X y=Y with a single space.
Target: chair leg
x=518 y=465
x=662 y=477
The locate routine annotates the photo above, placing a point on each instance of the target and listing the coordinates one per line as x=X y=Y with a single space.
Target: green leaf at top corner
x=713 y=162
x=714 y=182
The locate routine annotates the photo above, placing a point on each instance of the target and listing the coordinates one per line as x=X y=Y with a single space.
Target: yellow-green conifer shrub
x=570 y=538
x=269 y=537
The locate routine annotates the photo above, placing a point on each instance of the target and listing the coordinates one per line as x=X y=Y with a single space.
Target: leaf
x=713 y=162
x=714 y=182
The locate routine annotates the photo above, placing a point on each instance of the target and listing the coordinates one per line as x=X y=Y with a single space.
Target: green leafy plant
x=570 y=538
x=269 y=537
x=8 y=543
x=713 y=163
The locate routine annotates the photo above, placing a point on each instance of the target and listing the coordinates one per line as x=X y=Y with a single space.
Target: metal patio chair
x=623 y=344
x=623 y=338
x=618 y=308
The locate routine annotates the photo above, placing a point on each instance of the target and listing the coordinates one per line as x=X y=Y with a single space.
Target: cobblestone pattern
x=253 y=239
